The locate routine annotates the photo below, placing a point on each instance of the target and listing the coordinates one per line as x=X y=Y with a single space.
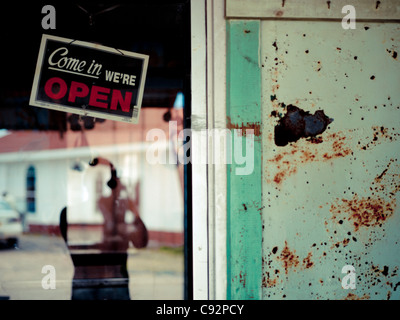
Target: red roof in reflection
x=106 y=133
x=19 y=141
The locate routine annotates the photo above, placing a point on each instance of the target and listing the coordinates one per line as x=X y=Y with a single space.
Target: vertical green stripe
x=244 y=225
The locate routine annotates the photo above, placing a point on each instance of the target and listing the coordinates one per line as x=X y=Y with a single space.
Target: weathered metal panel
x=331 y=150
x=244 y=228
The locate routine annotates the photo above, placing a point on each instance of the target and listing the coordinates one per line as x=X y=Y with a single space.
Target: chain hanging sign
x=89 y=79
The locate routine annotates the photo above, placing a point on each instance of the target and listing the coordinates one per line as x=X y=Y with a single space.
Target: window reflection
x=101 y=268
x=112 y=225
x=63 y=203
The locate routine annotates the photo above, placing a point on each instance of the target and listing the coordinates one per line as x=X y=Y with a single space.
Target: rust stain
x=269 y=282
x=368 y=212
x=270 y=278
x=352 y=296
x=319 y=66
x=329 y=4
x=363 y=212
x=256 y=127
x=379 y=178
x=380 y=135
x=376 y=276
x=287 y=162
x=339 y=148
x=289 y=258
x=344 y=243
x=335 y=145
x=242 y=279
x=280 y=176
x=316 y=140
x=374 y=210
x=388 y=181
x=382 y=276
x=307 y=263
x=378 y=270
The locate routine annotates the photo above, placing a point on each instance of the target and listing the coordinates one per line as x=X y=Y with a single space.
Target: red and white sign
x=89 y=79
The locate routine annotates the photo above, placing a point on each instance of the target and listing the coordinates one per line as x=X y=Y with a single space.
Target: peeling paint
x=297 y=123
x=256 y=127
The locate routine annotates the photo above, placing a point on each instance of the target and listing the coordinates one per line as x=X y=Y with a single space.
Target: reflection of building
x=45 y=172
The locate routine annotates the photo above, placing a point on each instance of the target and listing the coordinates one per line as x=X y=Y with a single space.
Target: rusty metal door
x=331 y=147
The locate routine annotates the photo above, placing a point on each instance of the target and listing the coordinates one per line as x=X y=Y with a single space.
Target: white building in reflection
x=46 y=172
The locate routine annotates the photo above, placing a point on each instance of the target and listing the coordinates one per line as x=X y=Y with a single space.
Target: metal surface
x=244 y=249
x=331 y=190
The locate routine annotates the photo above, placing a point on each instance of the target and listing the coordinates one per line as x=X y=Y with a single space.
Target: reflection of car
x=10 y=224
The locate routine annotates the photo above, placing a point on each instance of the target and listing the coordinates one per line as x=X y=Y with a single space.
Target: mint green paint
x=244 y=226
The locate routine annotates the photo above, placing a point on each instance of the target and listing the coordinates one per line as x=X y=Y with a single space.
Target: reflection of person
x=117 y=233
x=101 y=269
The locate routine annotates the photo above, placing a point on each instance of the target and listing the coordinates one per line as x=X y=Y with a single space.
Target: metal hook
x=85 y=113
x=92 y=15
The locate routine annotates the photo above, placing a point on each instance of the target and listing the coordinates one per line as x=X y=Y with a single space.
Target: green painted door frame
x=244 y=194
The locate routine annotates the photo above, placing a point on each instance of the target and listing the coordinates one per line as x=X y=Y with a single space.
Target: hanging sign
x=89 y=79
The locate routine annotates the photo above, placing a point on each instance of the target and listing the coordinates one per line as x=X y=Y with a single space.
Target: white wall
x=57 y=186
x=161 y=203
x=50 y=187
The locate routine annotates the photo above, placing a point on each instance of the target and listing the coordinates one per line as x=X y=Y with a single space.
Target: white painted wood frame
x=208 y=36
x=312 y=9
